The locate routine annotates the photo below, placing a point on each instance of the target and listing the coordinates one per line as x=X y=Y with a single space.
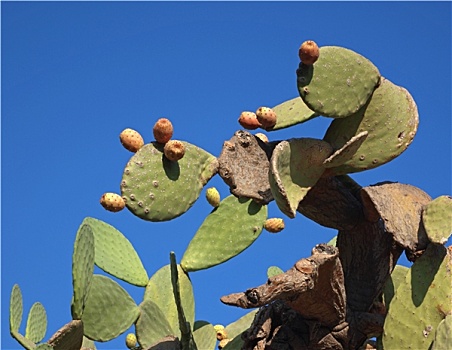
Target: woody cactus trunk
x=349 y=294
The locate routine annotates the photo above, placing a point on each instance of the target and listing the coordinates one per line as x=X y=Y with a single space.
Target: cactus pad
x=292 y=112
x=346 y=152
x=204 y=335
x=273 y=271
x=115 y=254
x=159 y=290
x=152 y=324
x=36 y=323
x=443 y=335
x=68 y=337
x=339 y=83
x=391 y=119
x=16 y=309
x=397 y=277
x=421 y=301
x=157 y=189
x=109 y=310
x=236 y=328
x=296 y=165
x=225 y=233
x=437 y=219
x=44 y=346
x=82 y=269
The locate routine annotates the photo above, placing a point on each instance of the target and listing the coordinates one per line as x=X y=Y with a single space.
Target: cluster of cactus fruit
x=373 y=121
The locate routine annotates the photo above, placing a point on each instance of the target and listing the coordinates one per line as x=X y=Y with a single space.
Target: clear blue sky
x=74 y=75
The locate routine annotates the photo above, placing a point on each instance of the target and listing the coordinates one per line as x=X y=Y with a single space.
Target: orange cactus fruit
x=249 y=121
x=309 y=52
x=163 y=130
x=266 y=117
x=174 y=150
x=112 y=202
x=131 y=140
x=274 y=225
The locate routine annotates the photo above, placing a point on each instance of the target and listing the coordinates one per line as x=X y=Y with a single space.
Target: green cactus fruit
x=292 y=112
x=397 y=277
x=68 y=337
x=219 y=238
x=152 y=325
x=391 y=120
x=159 y=289
x=346 y=152
x=443 y=335
x=109 y=310
x=131 y=341
x=339 y=83
x=16 y=309
x=82 y=269
x=213 y=197
x=296 y=165
x=204 y=335
x=274 y=225
x=437 y=219
x=36 y=323
x=421 y=301
x=273 y=271
x=115 y=254
x=44 y=346
x=157 y=189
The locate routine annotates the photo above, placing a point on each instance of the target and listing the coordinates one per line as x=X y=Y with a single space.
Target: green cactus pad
x=225 y=233
x=242 y=324
x=109 y=310
x=44 y=346
x=346 y=152
x=421 y=301
x=333 y=241
x=204 y=335
x=16 y=309
x=397 y=277
x=36 y=323
x=82 y=269
x=443 y=335
x=25 y=342
x=292 y=112
x=152 y=325
x=157 y=189
x=273 y=271
x=339 y=83
x=235 y=344
x=391 y=119
x=437 y=219
x=159 y=289
x=88 y=344
x=68 y=337
x=296 y=165
x=115 y=254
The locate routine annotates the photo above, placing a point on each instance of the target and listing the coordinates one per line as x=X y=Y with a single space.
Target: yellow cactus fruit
x=174 y=150
x=131 y=341
x=112 y=202
x=213 y=197
x=131 y=140
x=163 y=130
x=223 y=343
x=308 y=52
x=274 y=225
x=218 y=327
x=266 y=117
x=262 y=137
x=249 y=121
x=221 y=334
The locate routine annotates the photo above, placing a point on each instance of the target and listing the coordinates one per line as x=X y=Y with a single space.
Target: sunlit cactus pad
x=391 y=120
x=437 y=219
x=421 y=302
x=36 y=323
x=339 y=83
x=157 y=189
x=225 y=233
x=292 y=112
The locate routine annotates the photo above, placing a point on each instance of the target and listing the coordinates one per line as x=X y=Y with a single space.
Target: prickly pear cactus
x=421 y=302
x=36 y=323
x=204 y=335
x=437 y=219
x=157 y=189
x=231 y=236
x=339 y=83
